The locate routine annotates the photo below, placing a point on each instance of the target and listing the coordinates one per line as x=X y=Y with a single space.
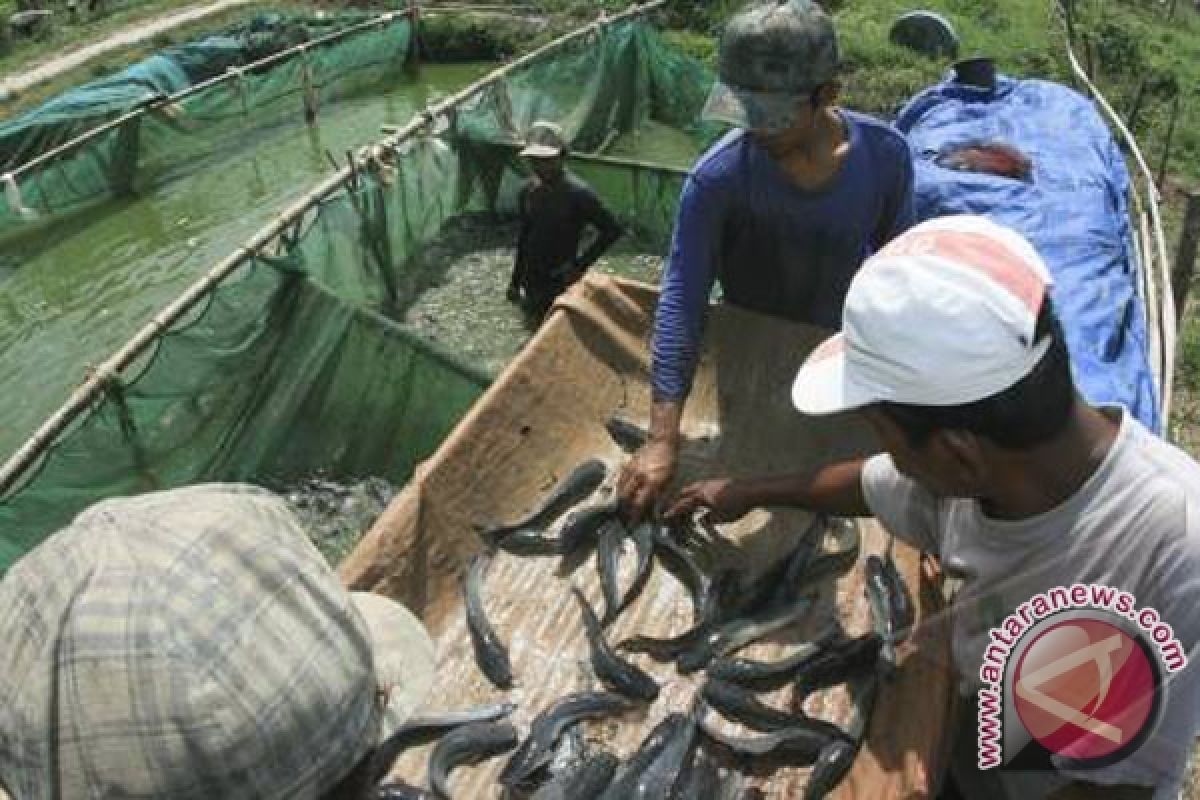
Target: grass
x=17 y=54
x=73 y=37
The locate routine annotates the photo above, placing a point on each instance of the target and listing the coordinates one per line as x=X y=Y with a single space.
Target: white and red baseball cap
x=943 y=315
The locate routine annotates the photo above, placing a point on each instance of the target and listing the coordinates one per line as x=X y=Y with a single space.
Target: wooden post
x=1162 y=168
x=1136 y=107
x=1089 y=53
x=413 y=63
x=1185 y=259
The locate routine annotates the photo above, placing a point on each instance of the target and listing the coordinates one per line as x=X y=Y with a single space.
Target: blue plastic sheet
x=1074 y=209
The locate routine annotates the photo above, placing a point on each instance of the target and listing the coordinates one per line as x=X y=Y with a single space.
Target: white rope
x=12 y=194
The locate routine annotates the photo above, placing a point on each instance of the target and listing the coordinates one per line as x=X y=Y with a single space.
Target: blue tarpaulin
x=1073 y=207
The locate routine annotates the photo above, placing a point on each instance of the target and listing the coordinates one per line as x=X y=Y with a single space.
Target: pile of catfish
x=676 y=759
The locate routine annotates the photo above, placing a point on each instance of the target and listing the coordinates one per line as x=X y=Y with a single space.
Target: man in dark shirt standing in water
x=554 y=207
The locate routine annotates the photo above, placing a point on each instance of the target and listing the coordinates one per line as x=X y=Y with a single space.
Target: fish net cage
x=171 y=111
x=299 y=362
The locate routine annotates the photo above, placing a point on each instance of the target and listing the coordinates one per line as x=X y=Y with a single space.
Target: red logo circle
x=1085 y=689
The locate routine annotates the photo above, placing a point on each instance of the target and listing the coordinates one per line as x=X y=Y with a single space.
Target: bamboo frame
x=1156 y=259
x=85 y=394
x=231 y=74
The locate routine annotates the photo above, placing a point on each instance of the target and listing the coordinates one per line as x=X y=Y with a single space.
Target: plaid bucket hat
x=194 y=644
x=772 y=55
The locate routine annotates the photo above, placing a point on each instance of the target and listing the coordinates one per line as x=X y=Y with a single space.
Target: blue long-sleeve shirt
x=775 y=247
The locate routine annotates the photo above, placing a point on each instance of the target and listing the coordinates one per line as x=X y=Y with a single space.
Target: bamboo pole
x=611 y=161
x=1159 y=260
x=87 y=392
x=165 y=100
x=1136 y=107
x=1185 y=259
x=1166 y=158
x=413 y=63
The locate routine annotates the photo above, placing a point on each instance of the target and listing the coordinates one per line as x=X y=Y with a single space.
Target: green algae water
x=73 y=292
x=657 y=143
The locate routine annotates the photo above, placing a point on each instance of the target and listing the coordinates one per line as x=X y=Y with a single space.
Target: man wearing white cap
x=782 y=211
x=194 y=644
x=555 y=208
x=995 y=463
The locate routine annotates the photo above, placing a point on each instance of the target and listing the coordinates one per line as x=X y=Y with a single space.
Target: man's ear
x=963 y=451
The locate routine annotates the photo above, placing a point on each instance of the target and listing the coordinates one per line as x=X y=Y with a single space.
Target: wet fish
x=663 y=650
x=882 y=613
x=624 y=787
x=768 y=675
x=670 y=648
x=699 y=777
x=570 y=752
x=847 y=542
x=684 y=567
x=725 y=594
x=863 y=692
x=470 y=744
x=903 y=614
x=616 y=673
x=735 y=634
x=609 y=549
x=628 y=435
x=582 y=481
x=490 y=652
x=838 y=756
x=586 y=782
x=548 y=726
x=426 y=727
x=832 y=764
x=529 y=542
x=399 y=790
x=800 y=745
x=797 y=564
x=741 y=705
x=582 y=526
x=836 y=664
x=643 y=546
x=661 y=776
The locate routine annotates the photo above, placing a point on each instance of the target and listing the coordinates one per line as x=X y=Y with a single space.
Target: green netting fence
x=294 y=366
x=102 y=141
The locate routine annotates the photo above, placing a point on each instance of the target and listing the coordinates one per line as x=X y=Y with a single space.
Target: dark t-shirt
x=552 y=223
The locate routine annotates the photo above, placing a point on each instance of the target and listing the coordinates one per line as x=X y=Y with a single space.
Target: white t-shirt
x=1134 y=525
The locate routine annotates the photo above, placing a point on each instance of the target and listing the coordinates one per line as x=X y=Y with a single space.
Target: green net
x=301 y=362
x=153 y=146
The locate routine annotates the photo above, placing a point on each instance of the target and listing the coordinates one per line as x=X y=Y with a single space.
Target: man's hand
x=721 y=496
x=645 y=476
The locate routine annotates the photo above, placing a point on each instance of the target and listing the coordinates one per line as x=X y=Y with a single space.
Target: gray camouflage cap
x=772 y=55
x=193 y=644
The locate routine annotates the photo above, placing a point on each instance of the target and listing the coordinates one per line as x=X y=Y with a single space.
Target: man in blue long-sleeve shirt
x=782 y=211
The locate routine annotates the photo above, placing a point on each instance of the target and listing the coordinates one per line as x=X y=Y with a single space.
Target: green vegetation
x=67 y=37
x=16 y=53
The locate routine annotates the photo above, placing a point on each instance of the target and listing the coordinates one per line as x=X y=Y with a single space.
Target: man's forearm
x=834 y=489
x=604 y=240
x=665 y=416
